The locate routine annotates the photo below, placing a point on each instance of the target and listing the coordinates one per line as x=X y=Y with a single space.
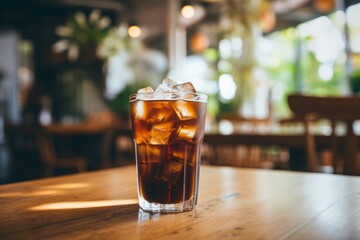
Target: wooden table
x=233 y=203
x=80 y=128
x=290 y=140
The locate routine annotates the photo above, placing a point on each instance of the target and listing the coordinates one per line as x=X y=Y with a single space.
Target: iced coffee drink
x=168 y=127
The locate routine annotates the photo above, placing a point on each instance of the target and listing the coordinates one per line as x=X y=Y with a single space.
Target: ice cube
x=178 y=153
x=185 y=87
x=166 y=86
x=187 y=132
x=145 y=93
x=146 y=90
x=187 y=91
x=169 y=82
x=150 y=154
x=184 y=110
x=160 y=133
x=185 y=153
x=158 y=115
x=140 y=137
x=140 y=112
x=171 y=171
x=159 y=112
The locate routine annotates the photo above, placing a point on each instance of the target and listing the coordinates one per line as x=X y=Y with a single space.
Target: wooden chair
x=335 y=110
x=118 y=147
x=251 y=124
x=234 y=153
x=230 y=153
x=23 y=152
x=51 y=160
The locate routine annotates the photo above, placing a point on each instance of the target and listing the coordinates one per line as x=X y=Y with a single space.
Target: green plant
x=80 y=33
x=355 y=82
x=117 y=40
x=238 y=39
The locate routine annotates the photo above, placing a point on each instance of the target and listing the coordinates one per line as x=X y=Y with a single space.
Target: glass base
x=166 y=208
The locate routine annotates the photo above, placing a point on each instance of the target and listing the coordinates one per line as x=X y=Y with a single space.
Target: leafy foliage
x=355 y=82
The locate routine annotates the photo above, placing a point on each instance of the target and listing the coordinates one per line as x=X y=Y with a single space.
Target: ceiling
x=152 y=14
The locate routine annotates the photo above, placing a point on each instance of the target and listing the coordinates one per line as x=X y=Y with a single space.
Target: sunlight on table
x=84 y=204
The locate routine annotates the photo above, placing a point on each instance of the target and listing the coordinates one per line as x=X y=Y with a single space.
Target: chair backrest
x=247 y=124
x=230 y=152
x=46 y=147
x=21 y=141
x=336 y=109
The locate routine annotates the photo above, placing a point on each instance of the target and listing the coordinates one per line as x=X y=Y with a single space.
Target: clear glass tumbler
x=168 y=133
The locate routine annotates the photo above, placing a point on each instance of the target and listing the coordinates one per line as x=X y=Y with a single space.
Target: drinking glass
x=168 y=132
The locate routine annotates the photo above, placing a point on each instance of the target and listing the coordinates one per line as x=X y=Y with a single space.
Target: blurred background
x=68 y=66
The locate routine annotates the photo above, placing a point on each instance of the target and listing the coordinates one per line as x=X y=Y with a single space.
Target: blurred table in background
x=112 y=145
x=79 y=129
x=280 y=136
x=97 y=141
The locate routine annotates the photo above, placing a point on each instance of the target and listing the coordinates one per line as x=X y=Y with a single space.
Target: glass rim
x=174 y=96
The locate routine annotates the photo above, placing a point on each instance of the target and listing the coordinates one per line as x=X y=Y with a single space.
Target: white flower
x=121 y=31
x=103 y=23
x=60 y=46
x=95 y=16
x=80 y=31
x=80 y=18
x=73 y=52
x=117 y=41
x=63 y=31
x=111 y=45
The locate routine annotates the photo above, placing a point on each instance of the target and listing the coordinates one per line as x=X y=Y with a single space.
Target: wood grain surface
x=233 y=203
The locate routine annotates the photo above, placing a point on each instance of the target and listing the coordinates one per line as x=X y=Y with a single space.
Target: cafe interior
x=180 y=119
x=282 y=79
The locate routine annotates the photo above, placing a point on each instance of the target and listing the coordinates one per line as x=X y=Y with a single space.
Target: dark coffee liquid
x=172 y=179
x=168 y=136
